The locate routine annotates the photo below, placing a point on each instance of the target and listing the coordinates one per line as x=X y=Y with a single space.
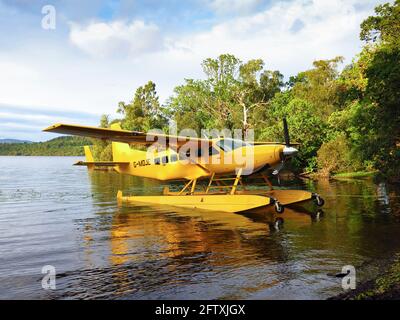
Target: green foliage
x=61 y=146
x=192 y=106
x=306 y=127
x=231 y=96
x=385 y=286
x=335 y=156
x=319 y=86
x=371 y=117
x=102 y=150
x=384 y=26
x=144 y=112
x=356 y=174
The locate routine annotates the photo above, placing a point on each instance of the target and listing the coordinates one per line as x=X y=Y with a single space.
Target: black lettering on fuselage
x=141 y=163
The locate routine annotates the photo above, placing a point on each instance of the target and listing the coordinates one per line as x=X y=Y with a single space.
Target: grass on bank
x=357 y=174
x=385 y=286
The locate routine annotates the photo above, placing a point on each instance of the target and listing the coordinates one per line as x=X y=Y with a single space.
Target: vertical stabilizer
x=89 y=157
x=88 y=154
x=120 y=151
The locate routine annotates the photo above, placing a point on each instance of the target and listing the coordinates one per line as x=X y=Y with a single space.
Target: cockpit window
x=198 y=152
x=231 y=144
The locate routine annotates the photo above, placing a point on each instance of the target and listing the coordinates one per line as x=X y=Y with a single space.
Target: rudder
x=88 y=154
x=120 y=150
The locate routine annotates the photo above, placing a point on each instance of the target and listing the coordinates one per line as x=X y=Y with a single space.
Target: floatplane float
x=214 y=171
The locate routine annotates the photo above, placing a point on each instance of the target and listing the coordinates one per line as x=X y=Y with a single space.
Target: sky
x=99 y=52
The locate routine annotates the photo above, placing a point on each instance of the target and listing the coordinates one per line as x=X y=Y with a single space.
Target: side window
x=212 y=151
x=184 y=155
x=173 y=158
x=230 y=144
x=157 y=161
x=164 y=160
x=225 y=145
x=239 y=144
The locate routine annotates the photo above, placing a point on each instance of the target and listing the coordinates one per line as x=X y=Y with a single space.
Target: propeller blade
x=286 y=132
x=278 y=168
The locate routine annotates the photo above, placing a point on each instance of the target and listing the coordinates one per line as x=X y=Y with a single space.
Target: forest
x=346 y=117
x=61 y=146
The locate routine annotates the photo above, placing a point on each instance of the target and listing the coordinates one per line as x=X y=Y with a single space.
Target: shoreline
x=385 y=286
x=341 y=175
x=34 y=155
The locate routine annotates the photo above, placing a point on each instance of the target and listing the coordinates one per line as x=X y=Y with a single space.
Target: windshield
x=231 y=144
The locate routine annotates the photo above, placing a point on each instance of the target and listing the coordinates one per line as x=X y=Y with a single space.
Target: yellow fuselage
x=170 y=165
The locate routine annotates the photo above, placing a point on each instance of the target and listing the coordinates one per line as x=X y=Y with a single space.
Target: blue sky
x=101 y=51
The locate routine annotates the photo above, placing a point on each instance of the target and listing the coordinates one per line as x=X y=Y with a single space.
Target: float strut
x=193 y=186
x=267 y=181
x=210 y=183
x=185 y=187
x=239 y=173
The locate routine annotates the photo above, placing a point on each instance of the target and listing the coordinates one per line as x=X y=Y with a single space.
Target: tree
x=255 y=91
x=144 y=112
x=104 y=121
x=368 y=118
x=319 y=86
x=383 y=73
x=192 y=107
x=229 y=96
x=305 y=128
x=102 y=150
x=384 y=26
x=334 y=156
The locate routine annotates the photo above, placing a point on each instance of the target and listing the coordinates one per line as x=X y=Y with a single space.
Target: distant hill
x=14 y=141
x=61 y=146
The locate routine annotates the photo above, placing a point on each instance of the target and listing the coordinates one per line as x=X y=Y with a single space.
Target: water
x=52 y=213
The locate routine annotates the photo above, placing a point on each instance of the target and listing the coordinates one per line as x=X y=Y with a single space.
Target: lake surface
x=52 y=213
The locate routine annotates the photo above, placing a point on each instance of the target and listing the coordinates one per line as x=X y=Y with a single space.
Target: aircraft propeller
x=288 y=150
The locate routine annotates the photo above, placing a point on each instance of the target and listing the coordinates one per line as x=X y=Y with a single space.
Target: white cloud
x=117 y=38
x=233 y=6
x=327 y=29
x=50 y=73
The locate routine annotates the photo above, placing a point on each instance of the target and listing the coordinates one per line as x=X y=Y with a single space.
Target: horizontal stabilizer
x=100 y=163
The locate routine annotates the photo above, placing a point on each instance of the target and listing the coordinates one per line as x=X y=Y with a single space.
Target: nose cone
x=289 y=151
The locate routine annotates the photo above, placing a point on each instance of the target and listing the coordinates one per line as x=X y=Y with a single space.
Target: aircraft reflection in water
x=183 y=232
x=168 y=252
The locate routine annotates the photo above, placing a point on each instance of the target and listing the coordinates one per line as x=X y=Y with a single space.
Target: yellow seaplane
x=213 y=171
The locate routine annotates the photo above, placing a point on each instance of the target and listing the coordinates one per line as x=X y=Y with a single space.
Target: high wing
x=101 y=163
x=125 y=136
x=134 y=137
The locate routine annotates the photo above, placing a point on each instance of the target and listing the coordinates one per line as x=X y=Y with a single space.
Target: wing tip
x=52 y=127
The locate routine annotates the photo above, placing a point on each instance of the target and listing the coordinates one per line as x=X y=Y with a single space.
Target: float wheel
x=279 y=208
x=319 y=201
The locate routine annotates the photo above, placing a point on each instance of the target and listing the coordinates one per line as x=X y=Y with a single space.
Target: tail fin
x=122 y=152
x=89 y=157
x=119 y=147
x=88 y=154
